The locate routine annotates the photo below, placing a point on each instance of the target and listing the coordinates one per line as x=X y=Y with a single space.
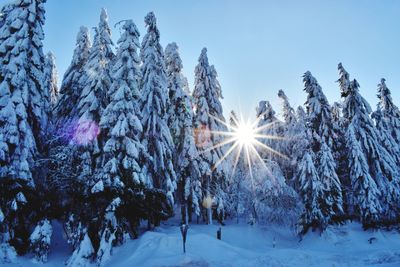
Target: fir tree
x=51 y=79
x=269 y=125
x=23 y=117
x=208 y=120
x=312 y=192
x=180 y=121
x=156 y=135
x=94 y=98
x=381 y=165
x=71 y=88
x=387 y=121
x=323 y=137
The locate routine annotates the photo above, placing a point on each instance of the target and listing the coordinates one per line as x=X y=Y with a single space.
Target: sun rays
x=244 y=140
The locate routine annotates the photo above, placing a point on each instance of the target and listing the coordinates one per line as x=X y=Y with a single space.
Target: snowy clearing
x=245 y=245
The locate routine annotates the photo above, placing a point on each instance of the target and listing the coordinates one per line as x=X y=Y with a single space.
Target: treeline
x=123 y=141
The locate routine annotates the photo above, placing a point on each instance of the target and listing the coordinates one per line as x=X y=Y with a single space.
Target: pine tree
x=71 y=88
x=178 y=89
x=365 y=190
x=288 y=112
x=381 y=165
x=387 y=121
x=40 y=240
x=323 y=138
x=312 y=193
x=208 y=120
x=23 y=117
x=269 y=125
x=123 y=152
x=326 y=169
x=156 y=135
x=94 y=98
x=291 y=134
x=180 y=122
x=51 y=79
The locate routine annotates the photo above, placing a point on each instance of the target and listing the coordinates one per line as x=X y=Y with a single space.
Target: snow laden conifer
x=268 y=124
x=180 y=121
x=312 y=192
x=387 y=121
x=208 y=120
x=178 y=89
x=120 y=124
x=123 y=173
x=291 y=134
x=71 y=87
x=40 y=240
x=23 y=117
x=156 y=135
x=322 y=139
x=378 y=165
x=51 y=80
x=94 y=98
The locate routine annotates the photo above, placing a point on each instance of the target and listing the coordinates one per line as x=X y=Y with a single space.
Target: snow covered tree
x=365 y=190
x=381 y=165
x=326 y=168
x=269 y=125
x=318 y=112
x=83 y=255
x=123 y=152
x=40 y=240
x=23 y=117
x=94 y=99
x=51 y=80
x=178 y=89
x=293 y=136
x=312 y=193
x=288 y=112
x=71 y=88
x=323 y=137
x=180 y=121
x=274 y=201
x=156 y=135
x=387 y=121
x=208 y=120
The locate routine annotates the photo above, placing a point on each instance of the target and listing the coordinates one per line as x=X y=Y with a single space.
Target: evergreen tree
x=180 y=121
x=156 y=135
x=71 y=88
x=40 y=240
x=381 y=165
x=288 y=112
x=323 y=138
x=209 y=120
x=387 y=121
x=318 y=112
x=292 y=136
x=390 y=111
x=326 y=169
x=23 y=117
x=269 y=125
x=365 y=190
x=312 y=192
x=178 y=89
x=51 y=79
x=94 y=99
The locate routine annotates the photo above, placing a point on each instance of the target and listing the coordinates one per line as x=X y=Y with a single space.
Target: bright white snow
x=246 y=245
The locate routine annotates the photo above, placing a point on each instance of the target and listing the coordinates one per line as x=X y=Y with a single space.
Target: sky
x=257 y=47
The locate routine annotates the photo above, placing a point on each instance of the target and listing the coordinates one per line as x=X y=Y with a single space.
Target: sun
x=245 y=140
x=245 y=134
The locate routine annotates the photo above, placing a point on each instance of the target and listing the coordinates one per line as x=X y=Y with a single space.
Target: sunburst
x=245 y=137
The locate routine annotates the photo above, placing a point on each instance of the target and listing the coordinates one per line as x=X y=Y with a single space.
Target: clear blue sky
x=257 y=47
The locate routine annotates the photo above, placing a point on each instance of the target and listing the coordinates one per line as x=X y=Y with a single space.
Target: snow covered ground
x=245 y=245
